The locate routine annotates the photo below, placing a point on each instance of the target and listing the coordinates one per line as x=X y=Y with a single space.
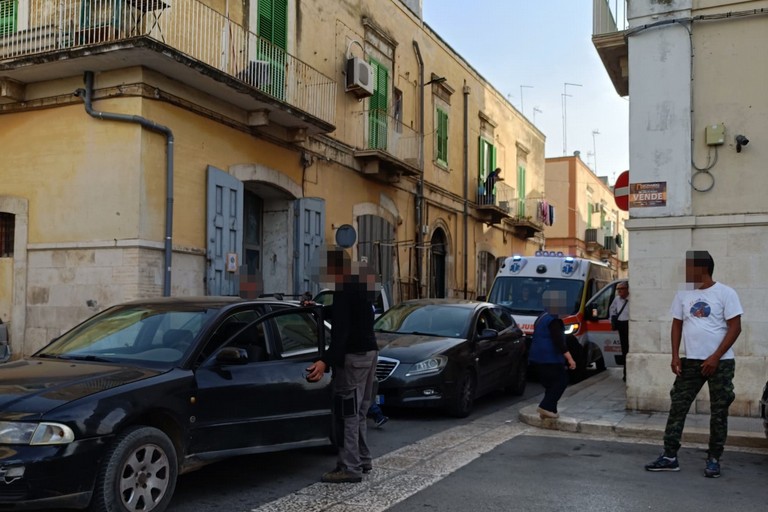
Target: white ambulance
x=521 y=281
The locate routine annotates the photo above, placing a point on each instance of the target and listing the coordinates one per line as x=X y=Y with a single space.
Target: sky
x=543 y=44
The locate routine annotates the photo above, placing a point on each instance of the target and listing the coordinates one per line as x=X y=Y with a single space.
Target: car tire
x=138 y=473
x=600 y=364
x=520 y=379
x=464 y=399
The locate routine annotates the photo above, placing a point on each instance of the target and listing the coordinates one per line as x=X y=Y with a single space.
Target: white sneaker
x=544 y=414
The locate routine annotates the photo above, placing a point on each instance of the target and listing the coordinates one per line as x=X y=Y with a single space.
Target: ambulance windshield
x=522 y=295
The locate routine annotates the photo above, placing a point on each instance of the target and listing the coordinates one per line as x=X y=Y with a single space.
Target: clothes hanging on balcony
x=545 y=213
x=543 y=209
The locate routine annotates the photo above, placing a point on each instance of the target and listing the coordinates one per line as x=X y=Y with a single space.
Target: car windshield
x=426 y=319
x=138 y=333
x=522 y=295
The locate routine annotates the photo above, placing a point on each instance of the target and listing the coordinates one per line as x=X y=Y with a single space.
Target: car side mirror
x=232 y=355
x=488 y=334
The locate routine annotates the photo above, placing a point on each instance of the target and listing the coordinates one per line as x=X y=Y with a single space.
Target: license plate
x=379 y=399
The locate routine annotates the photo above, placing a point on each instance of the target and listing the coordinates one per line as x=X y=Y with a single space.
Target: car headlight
x=432 y=365
x=571 y=329
x=12 y=432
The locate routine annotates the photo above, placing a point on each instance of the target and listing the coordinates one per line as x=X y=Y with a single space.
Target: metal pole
x=565 y=119
x=594 y=147
x=419 y=200
x=522 y=108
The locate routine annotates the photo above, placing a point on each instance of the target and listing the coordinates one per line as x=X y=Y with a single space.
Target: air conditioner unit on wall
x=359 y=77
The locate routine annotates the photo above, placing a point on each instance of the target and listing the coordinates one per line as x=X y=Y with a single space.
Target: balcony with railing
x=609 y=246
x=609 y=26
x=495 y=202
x=525 y=217
x=386 y=147
x=594 y=239
x=184 y=39
x=500 y=203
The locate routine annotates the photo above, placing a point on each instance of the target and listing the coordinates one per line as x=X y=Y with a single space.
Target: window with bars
x=7 y=223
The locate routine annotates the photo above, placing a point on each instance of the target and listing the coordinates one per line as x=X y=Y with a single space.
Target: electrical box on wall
x=715 y=134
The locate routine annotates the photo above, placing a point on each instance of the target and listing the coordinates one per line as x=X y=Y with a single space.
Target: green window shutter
x=273 y=22
x=589 y=215
x=521 y=191
x=484 y=159
x=486 y=163
x=8 y=15
x=273 y=31
x=442 y=136
x=378 y=107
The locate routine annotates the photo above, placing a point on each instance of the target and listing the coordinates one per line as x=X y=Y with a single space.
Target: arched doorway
x=438 y=250
x=486 y=271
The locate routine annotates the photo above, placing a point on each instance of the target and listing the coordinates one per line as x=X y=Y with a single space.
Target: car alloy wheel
x=465 y=396
x=520 y=378
x=139 y=473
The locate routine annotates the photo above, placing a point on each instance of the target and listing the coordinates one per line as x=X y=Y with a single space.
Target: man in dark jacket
x=352 y=356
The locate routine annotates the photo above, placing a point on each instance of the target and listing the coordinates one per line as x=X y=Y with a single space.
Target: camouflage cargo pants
x=687 y=385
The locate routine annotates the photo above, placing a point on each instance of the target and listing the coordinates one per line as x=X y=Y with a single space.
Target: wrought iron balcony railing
x=607 y=18
x=188 y=27
x=376 y=132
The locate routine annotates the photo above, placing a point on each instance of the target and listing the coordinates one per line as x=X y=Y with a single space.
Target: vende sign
x=645 y=195
x=621 y=191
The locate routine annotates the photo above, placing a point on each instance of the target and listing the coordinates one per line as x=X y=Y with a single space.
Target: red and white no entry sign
x=621 y=191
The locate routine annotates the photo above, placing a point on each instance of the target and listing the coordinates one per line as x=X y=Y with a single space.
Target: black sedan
x=110 y=413
x=445 y=353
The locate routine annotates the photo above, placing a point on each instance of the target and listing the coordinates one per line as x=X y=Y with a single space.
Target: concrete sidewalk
x=597 y=406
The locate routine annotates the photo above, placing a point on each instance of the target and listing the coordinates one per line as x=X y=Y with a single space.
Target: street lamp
x=565 y=131
x=594 y=148
x=522 y=109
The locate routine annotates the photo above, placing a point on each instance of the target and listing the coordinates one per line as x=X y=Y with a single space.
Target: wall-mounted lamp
x=436 y=80
x=741 y=141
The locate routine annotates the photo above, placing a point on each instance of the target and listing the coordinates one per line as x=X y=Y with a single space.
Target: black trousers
x=623 y=330
x=554 y=378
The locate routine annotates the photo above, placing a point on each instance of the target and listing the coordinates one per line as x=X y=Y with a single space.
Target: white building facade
x=695 y=72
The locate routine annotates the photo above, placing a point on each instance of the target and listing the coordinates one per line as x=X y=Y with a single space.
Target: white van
x=521 y=281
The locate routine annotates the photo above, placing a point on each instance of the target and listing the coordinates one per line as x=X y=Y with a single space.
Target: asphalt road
x=245 y=483
x=537 y=473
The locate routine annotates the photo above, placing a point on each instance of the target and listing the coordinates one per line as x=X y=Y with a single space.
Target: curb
x=623 y=423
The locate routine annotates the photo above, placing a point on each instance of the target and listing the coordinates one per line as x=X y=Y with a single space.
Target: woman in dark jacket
x=550 y=354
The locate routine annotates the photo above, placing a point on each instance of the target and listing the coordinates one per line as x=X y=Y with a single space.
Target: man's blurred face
x=694 y=273
x=623 y=290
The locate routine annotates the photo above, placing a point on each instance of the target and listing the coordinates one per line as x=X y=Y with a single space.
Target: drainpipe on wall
x=87 y=95
x=420 y=185
x=465 y=90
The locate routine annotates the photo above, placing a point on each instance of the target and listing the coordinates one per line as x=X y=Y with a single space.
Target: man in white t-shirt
x=708 y=319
